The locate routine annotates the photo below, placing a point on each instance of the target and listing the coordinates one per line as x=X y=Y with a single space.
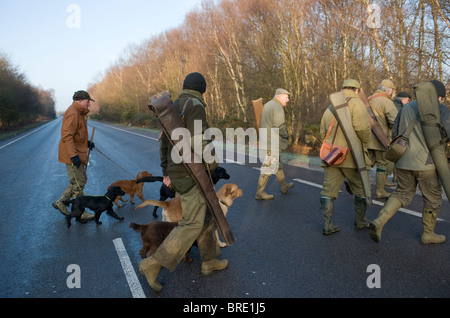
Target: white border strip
x=130 y=274
x=10 y=143
x=127 y=131
x=374 y=201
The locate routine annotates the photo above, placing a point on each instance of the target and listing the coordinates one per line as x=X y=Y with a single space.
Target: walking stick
x=89 y=151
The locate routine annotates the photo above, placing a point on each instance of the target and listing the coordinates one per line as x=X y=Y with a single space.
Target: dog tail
x=149 y=179
x=162 y=204
x=137 y=227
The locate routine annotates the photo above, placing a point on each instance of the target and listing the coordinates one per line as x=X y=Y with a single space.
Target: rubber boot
x=150 y=267
x=326 y=206
x=361 y=222
x=59 y=205
x=429 y=217
x=214 y=265
x=283 y=184
x=262 y=182
x=381 y=193
x=376 y=226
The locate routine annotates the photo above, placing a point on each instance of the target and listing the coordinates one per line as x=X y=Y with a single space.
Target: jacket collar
x=192 y=93
x=80 y=109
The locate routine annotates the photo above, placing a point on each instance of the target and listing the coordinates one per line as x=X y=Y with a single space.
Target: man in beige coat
x=273 y=117
x=73 y=148
x=385 y=112
x=335 y=175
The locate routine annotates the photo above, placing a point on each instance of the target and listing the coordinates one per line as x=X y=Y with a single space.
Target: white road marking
x=130 y=274
x=10 y=143
x=298 y=180
x=130 y=132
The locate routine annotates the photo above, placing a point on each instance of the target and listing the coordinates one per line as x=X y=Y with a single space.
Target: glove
x=76 y=161
x=91 y=145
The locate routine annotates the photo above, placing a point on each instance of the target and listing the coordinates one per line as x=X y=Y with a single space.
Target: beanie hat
x=196 y=82
x=440 y=88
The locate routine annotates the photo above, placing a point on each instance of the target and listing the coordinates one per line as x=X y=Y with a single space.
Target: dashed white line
x=130 y=274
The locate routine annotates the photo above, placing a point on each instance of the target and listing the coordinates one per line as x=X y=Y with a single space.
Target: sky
x=68 y=45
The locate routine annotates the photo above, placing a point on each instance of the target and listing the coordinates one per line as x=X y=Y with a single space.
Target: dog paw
x=222 y=244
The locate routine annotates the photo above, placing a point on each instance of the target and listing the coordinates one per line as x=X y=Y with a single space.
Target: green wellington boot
x=262 y=182
x=381 y=193
x=214 y=265
x=361 y=222
x=326 y=206
x=376 y=226
x=429 y=218
x=149 y=267
x=283 y=184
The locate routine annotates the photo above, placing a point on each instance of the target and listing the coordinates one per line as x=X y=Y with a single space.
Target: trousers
x=197 y=223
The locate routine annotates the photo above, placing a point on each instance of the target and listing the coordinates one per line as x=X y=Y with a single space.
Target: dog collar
x=107 y=198
x=224 y=203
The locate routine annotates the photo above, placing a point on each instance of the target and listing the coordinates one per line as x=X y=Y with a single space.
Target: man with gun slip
x=197 y=222
x=349 y=133
x=384 y=112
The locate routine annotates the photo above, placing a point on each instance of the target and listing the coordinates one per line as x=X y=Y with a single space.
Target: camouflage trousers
x=77 y=179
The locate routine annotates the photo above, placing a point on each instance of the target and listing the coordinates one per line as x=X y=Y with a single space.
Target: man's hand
x=91 y=145
x=166 y=181
x=76 y=161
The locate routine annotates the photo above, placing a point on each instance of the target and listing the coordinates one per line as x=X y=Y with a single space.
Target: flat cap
x=281 y=91
x=80 y=95
x=351 y=83
x=388 y=83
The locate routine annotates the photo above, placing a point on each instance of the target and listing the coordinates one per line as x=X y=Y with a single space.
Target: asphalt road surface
x=280 y=251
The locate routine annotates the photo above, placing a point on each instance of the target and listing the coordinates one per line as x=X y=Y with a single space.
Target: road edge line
x=130 y=274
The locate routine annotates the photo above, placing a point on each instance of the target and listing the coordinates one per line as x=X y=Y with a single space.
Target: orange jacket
x=74 y=134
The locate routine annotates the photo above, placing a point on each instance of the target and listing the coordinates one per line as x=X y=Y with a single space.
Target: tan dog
x=172 y=211
x=131 y=188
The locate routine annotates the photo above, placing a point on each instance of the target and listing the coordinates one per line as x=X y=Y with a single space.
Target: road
x=280 y=251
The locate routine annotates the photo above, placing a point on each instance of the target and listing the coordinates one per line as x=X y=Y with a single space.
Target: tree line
x=248 y=48
x=20 y=102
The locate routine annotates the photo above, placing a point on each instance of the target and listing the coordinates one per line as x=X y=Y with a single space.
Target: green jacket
x=360 y=122
x=192 y=104
x=385 y=112
x=417 y=156
x=273 y=117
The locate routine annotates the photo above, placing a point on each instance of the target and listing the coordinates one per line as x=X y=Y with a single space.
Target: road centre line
x=130 y=274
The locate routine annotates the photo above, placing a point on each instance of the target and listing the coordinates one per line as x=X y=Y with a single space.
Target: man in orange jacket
x=73 y=148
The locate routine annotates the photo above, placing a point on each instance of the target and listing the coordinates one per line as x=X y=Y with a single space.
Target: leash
x=100 y=152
